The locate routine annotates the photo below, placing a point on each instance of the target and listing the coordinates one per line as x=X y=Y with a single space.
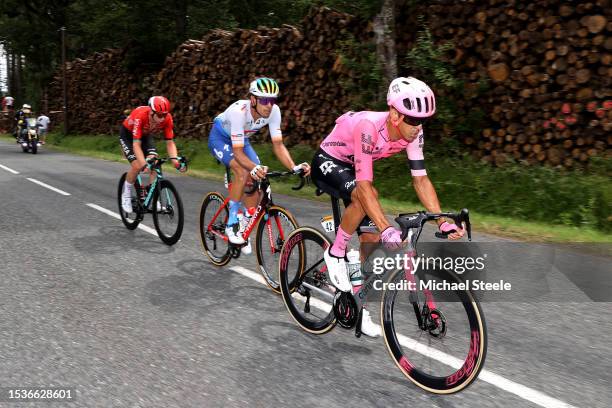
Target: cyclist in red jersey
x=136 y=138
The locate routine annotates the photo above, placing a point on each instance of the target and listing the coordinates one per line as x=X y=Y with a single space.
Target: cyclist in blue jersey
x=229 y=143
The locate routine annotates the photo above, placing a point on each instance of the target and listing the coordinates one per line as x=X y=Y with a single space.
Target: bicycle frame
x=262 y=209
x=361 y=295
x=155 y=166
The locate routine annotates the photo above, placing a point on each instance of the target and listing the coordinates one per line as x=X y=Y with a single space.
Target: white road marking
x=115 y=215
x=40 y=183
x=496 y=380
x=9 y=169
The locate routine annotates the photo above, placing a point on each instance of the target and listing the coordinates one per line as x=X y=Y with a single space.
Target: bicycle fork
x=428 y=305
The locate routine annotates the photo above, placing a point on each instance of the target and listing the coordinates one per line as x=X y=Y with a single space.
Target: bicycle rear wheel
x=130 y=220
x=272 y=231
x=213 y=219
x=437 y=339
x=304 y=281
x=168 y=215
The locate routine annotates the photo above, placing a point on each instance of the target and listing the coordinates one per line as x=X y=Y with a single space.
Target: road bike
x=160 y=198
x=273 y=223
x=438 y=340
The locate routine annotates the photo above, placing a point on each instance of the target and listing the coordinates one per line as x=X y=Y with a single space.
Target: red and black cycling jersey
x=139 y=125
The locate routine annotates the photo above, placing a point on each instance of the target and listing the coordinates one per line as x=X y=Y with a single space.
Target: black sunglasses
x=414 y=121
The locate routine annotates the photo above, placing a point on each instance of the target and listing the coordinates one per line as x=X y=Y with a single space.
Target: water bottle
x=354 y=267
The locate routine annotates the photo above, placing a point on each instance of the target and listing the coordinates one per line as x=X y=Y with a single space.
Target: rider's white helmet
x=411 y=97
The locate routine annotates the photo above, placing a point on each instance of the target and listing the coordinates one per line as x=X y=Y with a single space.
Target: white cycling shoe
x=338 y=273
x=233 y=234
x=126 y=202
x=368 y=327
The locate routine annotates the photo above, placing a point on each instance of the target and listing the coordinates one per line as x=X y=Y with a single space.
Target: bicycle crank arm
x=358 y=324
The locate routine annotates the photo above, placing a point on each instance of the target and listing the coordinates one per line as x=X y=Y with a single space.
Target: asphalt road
x=131 y=322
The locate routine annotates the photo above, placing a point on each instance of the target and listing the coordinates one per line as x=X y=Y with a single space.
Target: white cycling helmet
x=264 y=87
x=411 y=97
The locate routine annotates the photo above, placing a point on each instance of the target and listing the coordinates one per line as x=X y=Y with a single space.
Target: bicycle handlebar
x=418 y=220
x=273 y=174
x=154 y=162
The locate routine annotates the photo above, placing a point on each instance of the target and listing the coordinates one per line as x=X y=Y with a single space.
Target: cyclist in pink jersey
x=343 y=167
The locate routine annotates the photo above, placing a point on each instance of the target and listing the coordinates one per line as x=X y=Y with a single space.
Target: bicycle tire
x=129 y=223
x=207 y=238
x=444 y=384
x=299 y=238
x=269 y=268
x=174 y=209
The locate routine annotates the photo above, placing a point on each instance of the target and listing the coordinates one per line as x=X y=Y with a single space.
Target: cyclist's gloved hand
x=302 y=166
x=452 y=231
x=259 y=172
x=391 y=237
x=180 y=165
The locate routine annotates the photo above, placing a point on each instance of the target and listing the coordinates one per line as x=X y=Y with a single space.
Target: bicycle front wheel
x=437 y=339
x=168 y=215
x=272 y=231
x=304 y=282
x=213 y=219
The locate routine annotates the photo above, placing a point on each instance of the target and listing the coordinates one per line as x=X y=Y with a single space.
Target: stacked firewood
x=546 y=67
x=99 y=90
x=204 y=77
x=539 y=72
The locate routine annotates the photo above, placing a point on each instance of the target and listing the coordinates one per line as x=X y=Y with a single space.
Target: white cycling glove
x=255 y=170
x=299 y=167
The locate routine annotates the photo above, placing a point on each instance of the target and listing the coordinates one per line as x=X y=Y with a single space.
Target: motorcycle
x=29 y=136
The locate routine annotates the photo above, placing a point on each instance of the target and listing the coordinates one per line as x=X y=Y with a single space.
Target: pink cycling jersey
x=360 y=138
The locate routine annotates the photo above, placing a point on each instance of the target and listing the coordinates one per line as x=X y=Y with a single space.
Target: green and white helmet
x=264 y=87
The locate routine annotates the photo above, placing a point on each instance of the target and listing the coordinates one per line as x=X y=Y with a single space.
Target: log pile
x=548 y=65
x=204 y=77
x=99 y=90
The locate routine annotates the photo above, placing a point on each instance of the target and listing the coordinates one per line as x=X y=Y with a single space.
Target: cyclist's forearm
x=171 y=148
x=283 y=154
x=370 y=204
x=427 y=194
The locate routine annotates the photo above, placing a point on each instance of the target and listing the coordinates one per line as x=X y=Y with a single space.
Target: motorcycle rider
x=20 y=117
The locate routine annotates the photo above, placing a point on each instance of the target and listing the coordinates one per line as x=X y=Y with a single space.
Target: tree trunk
x=13 y=89
x=9 y=82
x=180 y=10
x=18 y=93
x=384 y=31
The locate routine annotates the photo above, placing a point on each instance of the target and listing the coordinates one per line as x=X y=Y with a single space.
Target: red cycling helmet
x=159 y=104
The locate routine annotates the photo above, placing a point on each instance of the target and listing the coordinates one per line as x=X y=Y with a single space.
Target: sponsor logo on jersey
x=327 y=167
x=333 y=144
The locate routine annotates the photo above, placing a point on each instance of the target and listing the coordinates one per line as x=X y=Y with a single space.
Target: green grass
x=526 y=203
